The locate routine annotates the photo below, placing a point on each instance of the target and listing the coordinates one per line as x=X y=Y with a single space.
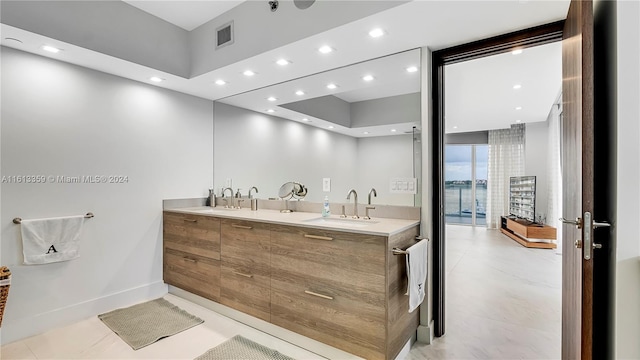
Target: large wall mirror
x=358 y=126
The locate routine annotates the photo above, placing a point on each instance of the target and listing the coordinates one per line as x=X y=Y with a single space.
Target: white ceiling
x=186 y=14
x=479 y=94
x=436 y=24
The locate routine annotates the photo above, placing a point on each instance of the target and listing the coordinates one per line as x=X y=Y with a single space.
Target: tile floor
x=503 y=302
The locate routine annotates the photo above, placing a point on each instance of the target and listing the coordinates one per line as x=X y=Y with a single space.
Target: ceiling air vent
x=224 y=35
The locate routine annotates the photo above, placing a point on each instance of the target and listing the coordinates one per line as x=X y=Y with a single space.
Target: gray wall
x=258 y=30
x=254 y=149
x=61 y=119
x=111 y=27
x=536 y=161
x=389 y=110
x=329 y=108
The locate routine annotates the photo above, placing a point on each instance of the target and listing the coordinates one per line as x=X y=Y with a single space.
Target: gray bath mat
x=239 y=348
x=143 y=324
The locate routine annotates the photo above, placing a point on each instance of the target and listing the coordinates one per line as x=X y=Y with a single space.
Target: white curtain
x=506 y=159
x=554 y=171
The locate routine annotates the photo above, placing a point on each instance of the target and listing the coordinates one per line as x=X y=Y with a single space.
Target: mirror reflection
x=353 y=127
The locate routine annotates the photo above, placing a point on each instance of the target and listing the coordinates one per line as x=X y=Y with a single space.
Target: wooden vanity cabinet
x=343 y=289
x=245 y=267
x=191 y=250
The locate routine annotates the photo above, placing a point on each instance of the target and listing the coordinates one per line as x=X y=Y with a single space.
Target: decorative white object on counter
x=51 y=240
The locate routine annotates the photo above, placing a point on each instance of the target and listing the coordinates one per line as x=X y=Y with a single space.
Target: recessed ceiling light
x=299 y=92
x=393 y=130
x=518 y=107
x=271 y=98
x=283 y=62
x=249 y=73
x=517 y=86
x=330 y=127
x=412 y=69
x=368 y=78
x=516 y=52
x=270 y=111
x=305 y=120
x=220 y=82
x=366 y=133
x=518 y=121
x=156 y=79
x=325 y=49
x=51 y=49
x=332 y=86
x=455 y=127
x=376 y=33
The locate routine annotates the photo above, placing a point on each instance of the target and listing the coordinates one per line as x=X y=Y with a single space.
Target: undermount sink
x=217 y=209
x=343 y=222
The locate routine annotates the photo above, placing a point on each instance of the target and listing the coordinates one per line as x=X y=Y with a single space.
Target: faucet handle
x=343 y=215
x=366 y=209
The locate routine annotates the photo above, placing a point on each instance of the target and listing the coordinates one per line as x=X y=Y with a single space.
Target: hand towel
x=51 y=240
x=416 y=273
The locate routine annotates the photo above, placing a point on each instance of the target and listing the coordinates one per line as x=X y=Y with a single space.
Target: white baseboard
x=25 y=327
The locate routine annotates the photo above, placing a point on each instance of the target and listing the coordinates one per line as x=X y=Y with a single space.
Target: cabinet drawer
x=245 y=289
x=246 y=268
x=350 y=262
x=326 y=315
x=197 y=274
x=192 y=234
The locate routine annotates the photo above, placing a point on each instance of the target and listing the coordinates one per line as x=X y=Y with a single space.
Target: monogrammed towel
x=51 y=240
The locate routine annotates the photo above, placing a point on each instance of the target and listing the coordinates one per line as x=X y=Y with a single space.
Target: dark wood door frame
x=523 y=39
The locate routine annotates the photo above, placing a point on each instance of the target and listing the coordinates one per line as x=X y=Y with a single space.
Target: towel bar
x=88 y=215
x=398 y=251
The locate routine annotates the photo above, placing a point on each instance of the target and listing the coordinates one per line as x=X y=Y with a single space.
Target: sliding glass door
x=466 y=184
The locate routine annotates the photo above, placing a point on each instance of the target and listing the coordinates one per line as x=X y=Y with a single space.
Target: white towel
x=51 y=240
x=416 y=273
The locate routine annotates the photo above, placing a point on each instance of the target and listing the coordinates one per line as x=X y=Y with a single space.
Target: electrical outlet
x=326 y=184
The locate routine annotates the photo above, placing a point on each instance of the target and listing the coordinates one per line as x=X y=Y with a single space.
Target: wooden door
x=577 y=179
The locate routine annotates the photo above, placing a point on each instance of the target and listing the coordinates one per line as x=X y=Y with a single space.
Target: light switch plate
x=403 y=185
x=326 y=184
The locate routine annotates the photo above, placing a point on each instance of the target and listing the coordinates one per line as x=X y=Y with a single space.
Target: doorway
x=502 y=44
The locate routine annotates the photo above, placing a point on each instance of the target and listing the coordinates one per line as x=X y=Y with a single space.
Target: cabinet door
x=245 y=267
x=191 y=247
x=330 y=286
x=192 y=234
x=197 y=274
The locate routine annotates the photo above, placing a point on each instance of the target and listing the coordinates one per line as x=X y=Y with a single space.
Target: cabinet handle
x=191 y=220
x=241 y=226
x=318 y=237
x=241 y=274
x=190 y=259
x=318 y=295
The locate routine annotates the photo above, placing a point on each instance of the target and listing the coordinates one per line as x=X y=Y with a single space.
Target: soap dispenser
x=326 y=212
x=211 y=201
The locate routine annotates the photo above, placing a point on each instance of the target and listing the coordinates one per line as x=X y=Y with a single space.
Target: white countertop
x=375 y=226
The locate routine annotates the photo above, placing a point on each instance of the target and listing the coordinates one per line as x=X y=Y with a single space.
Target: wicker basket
x=5 y=282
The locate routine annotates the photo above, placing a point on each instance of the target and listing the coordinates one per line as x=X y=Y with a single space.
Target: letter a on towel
x=416 y=273
x=51 y=240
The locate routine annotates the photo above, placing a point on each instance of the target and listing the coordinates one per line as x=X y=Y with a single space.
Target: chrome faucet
x=375 y=194
x=355 y=202
x=231 y=196
x=254 y=202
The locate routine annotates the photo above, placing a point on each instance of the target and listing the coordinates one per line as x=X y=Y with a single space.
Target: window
x=466 y=184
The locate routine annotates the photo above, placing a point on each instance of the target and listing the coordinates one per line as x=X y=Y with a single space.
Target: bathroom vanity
x=333 y=280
